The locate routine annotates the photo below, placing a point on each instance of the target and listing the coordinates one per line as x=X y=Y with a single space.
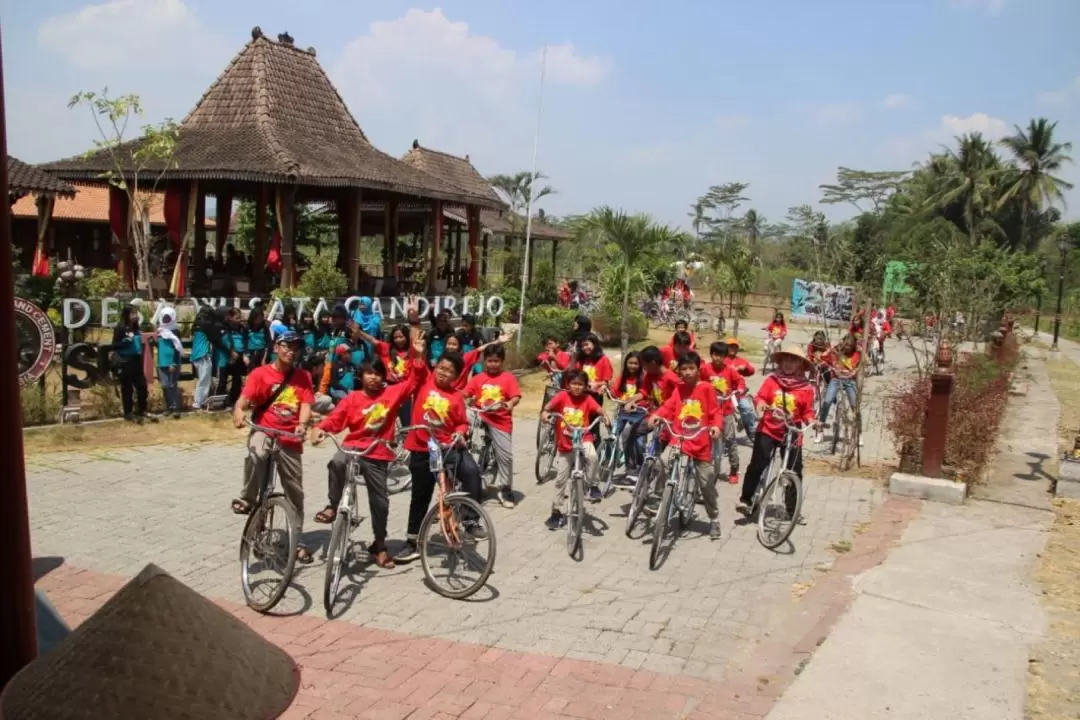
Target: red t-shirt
x=777 y=330
x=598 y=370
x=826 y=356
x=671 y=357
x=490 y=390
x=693 y=340
x=658 y=388
x=445 y=409
x=724 y=381
x=688 y=409
x=633 y=387
x=284 y=413
x=560 y=359
x=579 y=412
x=740 y=364
x=398 y=363
x=370 y=418
x=846 y=366
x=798 y=401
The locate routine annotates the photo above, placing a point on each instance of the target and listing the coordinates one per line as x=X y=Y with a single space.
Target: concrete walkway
x=944 y=626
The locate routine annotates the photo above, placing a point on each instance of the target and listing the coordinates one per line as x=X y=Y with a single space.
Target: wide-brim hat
x=795 y=352
x=156 y=649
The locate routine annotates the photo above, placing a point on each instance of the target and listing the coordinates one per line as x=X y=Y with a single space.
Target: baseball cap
x=289 y=338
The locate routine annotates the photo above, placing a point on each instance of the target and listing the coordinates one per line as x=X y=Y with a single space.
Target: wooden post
x=200 y=240
x=223 y=221
x=344 y=259
x=554 y=258
x=388 y=245
x=258 y=259
x=484 y=255
x=288 y=237
x=392 y=236
x=352 y=240
x=436 y=245
x=472 y=215
x=936 y=423
x=458 y=242
x=853 y=453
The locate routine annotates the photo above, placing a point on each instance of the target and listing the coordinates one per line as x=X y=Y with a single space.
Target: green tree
x=970 y=173
x=1038 y=158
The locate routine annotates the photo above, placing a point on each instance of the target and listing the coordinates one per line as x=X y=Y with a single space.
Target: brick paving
x=604 y=636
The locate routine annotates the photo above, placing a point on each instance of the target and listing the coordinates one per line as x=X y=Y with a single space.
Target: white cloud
x=992 y=128
x=1062 y=95
x=838 y=114
x=897 y=101
x=990 y=7
x=566 y=67
x=109 y=35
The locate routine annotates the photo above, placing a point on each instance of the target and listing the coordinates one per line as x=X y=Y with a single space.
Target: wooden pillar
x=199 y=250
x=258 y=255
x=387 y=255
x=288 y=237
x=484 y=254
x=392 y=236
x=124 y=265
x=222 y=224
x=472 y=214
x=436 y=244
x=344 y=256
x=457 y=252
x=352 y=222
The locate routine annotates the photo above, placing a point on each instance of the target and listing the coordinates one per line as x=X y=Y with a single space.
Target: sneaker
x=743 y=508
x=733 y=478
x=556 y=521
x=595 y=495
x=409 y=553
x=819 y=437
x=714 y=530
x=475 y=529
x=506 y=498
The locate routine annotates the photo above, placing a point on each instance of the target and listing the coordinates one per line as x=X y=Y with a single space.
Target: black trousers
x=764 y=447
x=374 y=473
x=133 y=386
x=459 y=463
x=235 y=372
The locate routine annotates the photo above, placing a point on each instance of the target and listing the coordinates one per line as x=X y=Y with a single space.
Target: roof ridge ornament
x=285 y=38
x=256 y=32
x=415 y=144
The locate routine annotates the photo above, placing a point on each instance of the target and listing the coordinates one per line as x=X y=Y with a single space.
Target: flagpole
x=532 y=193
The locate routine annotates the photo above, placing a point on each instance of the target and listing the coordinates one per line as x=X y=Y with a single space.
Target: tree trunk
x=736 y=311
x=625 y=327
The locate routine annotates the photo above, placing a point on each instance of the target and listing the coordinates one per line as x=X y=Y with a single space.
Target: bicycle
x=259 y=541
x=554 y=385
x=772 y=345
x=680 y=496
x=479 y=442
x=649 y=477
x=846 y=423
x=346 y=519
x=449 y=520
x=398 y=477
x=779 y=479
x=612 y=450
x=575 y=492
x=876 y=360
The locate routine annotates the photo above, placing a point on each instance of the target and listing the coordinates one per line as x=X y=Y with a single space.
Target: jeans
x=634 y=446
x=502 y=444
x=290 y=471
x=764 y=447
x=728 y=445
x=374 y=473
x=832 y=391
x=747 y=414
x=204 y=371
x=564 y=465
x=231 y=381
x=133 y=386
x=459 y=463
x=169 y=377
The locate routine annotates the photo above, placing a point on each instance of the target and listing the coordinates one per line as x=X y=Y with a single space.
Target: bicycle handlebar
x=274 y=431
x=678 y=436
x=454 y=439
x=355 y=453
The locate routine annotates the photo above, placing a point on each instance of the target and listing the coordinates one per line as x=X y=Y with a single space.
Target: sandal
x=241 y=507
x=303 y=556
x=383 y=560
x=326 y=515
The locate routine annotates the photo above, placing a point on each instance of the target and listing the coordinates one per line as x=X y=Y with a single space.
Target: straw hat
x=795 y=352
x=156 y=649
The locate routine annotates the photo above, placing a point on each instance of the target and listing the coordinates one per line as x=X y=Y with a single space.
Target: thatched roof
x=452 y=170
x=506 y=224
x=25 y=179
x=273 y=116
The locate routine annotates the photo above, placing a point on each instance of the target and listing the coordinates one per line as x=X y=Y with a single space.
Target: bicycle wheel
x=665 y=527
x=398 y=476
x=268 y=553
x=485 y=461
x=775 y=524
x=839 y=424
x=575 y=513
x=456 y=563
x=337 y=550
x=649 y=471
x=545 y=459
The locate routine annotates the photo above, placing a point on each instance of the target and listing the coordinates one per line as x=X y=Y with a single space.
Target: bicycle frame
x=791 y=433
x=437 y=458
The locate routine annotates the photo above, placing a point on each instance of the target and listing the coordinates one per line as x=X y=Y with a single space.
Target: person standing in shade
x=367 y=320
x=201 y=356
x=128 y=345
x=230 y=357
x=169 y=354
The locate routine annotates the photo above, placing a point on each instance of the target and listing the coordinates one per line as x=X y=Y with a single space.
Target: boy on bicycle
x=574 y=407
x=693 y=408
x=657 y=385
x=788 y=392
x=368 y=414
x=493 y=387
x=844 y=367
x=725 y=381
x=681 y=343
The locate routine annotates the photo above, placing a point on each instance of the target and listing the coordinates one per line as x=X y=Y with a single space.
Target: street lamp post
x=1063 y=246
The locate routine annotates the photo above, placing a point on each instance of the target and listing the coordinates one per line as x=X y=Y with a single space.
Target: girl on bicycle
x=368 y=414
x=629 y=388
x=844 y=367
x=725 y=381
x=590 y=359
x=777 y=329
x=786 y=392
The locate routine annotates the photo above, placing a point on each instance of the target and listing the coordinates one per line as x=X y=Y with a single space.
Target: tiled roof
x=452 y=170
x=274 y=116
x=90 y=204
x=23 y=179
x=501 y=224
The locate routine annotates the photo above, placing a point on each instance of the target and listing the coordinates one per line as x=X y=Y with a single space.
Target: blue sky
x=646 y=105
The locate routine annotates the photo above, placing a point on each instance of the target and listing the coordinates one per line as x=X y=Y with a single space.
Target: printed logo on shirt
x=287 y=404
x=439 y=405
x=784 y=401
x=658 y=395
x=574 y=417
x=375 y=416
x=400 y=365
x=629 y=392
x=719 y=384
x=490 y=395
x=691 y=414
x=848 y=362
x=590 y=372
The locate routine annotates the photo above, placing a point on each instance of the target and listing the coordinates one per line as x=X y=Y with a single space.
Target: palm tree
x=1038 y=159
x=971 y=171
x=516 y=189
x=753 y=224
x=697 y=217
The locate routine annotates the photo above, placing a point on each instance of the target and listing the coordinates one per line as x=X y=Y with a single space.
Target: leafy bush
x=608 y=325
x=542 y=289
x=39 y=406
x=540 y=322
x=103 y=283
x=323 y=279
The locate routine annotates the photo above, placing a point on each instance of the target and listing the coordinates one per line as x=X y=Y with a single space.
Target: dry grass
x=216 y=427
x=1054 y=666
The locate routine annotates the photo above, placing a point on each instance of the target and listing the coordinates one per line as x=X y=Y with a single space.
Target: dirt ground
x=1054 y=666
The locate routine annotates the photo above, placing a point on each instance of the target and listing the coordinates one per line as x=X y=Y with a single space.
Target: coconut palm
x=970 y=170
x=1038 y=158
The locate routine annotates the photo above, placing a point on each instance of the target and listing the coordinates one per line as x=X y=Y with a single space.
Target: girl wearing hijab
x=169 y=354
x=582 y=329
x=366 y=320
x=258 y=338
x=128 y=345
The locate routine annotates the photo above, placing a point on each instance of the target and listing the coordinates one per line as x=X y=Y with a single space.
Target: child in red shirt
x=693 y=408
x=369 y=415
x=573 y=408
x=496 y=387
x=591 y=360
x=683 y=326
x=725 y=382
x=785 y=391
x=681 y=343
x=777 y=329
